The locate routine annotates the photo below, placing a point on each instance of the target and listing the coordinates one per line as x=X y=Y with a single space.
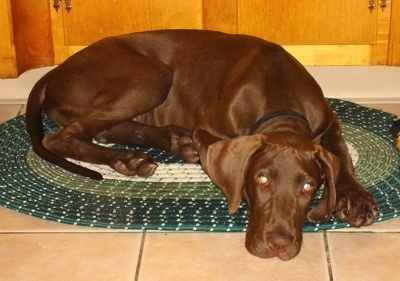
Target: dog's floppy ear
x=226 y=165
x=331 y=165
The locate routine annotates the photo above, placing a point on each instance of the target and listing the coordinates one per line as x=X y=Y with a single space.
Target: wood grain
x=91 y=20
x=32 y=34
x=309 y=21
x=221 y=15
x=379 y=50
x=338 y=32
x=394 y=37
x=8 y=63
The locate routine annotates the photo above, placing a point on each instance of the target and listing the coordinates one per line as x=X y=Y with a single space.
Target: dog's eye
x=263 y=180
x=307 y=187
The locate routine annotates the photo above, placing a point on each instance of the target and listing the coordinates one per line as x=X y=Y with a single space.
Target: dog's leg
x=105 y=98
x=353 y=202
x=174 y=139
x=126 y=162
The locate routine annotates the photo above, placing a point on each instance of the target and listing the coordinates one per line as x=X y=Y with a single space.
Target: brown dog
x=244 y=107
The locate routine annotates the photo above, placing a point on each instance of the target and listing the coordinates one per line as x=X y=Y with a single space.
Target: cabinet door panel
x=90 y=20
x=317 y=32
x=309 y=21
x=8 y=62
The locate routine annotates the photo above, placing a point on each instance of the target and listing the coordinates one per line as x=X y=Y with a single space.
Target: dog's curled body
x=244 y=107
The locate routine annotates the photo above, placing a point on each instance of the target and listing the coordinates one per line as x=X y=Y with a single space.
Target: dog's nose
x=279 y=242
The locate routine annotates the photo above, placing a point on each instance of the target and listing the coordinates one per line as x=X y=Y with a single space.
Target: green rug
x=179 y=196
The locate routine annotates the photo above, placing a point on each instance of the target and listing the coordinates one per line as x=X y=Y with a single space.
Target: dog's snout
x=281 y=245
x=279 y=242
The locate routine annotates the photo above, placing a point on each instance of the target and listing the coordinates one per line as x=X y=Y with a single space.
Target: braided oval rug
x=179 y=196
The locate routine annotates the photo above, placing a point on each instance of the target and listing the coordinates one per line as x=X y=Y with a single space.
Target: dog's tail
x=34 y=127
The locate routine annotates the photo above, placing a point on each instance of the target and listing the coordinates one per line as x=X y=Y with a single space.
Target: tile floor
x=35 y=249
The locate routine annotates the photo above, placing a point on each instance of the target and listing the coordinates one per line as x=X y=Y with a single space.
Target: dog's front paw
x=134 y=164
x=182 y=145
x=357 y=207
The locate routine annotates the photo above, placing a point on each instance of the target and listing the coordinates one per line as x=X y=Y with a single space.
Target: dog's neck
x=287 y=114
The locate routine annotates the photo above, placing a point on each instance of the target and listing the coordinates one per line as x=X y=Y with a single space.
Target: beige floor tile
x=222 y=256
x=42 y=257
x=9 y=111
x=364 y=256
x=390 y=225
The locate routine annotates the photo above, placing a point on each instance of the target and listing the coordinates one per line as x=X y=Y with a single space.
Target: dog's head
x=278 y=177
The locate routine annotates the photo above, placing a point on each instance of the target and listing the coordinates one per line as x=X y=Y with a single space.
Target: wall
x=361 y=84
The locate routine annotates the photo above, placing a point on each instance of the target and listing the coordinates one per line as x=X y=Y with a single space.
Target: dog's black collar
x=279 y=114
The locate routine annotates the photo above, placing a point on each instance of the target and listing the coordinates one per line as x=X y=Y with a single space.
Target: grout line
x=328 y=256
x=20 y=110
x=139 y=262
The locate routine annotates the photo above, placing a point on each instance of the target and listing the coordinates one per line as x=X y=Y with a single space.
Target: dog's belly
x=183 y=107
x=166 y=115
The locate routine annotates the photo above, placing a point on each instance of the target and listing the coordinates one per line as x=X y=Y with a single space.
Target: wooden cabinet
x=309 y=21
x=8 y=63
x=331 y=32
x=317 y=32
x=321 y=32
x=394 y=35
x=25 y=36
x=90 y=20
